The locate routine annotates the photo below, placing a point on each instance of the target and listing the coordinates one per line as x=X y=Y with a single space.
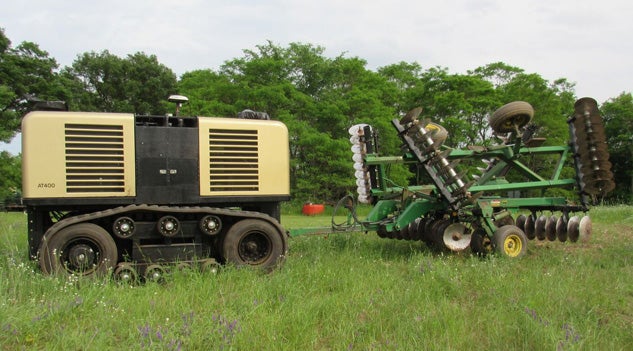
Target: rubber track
x=166 y=210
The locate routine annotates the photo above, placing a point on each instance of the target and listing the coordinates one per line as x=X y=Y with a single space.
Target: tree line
x=317 y=97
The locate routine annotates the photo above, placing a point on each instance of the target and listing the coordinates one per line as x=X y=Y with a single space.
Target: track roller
x=210 y=265
x=155 y=273
x=168 y=226
x=123 y=227
x=125 y=273
x=211 y=225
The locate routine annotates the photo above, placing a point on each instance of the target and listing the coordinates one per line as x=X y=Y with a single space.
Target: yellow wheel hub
x=512 y=245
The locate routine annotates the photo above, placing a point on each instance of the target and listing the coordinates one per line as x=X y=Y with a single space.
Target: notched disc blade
x=573 y=230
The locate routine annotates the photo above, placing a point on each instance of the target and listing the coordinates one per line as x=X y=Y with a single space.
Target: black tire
x=510 y=241
x=255 y=243
x=83 y=249
x=517 y=113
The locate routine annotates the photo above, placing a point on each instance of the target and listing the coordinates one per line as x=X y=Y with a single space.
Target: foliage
x=26 y=73
x=105 y=82
x=618 y=121
x=346 y=291
x=10 y=176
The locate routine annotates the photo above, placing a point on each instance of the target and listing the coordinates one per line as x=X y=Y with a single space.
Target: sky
x=587 y=42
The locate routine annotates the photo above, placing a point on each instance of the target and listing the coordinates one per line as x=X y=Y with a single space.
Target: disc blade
x=539 y=227
x=529 y=227
x=585 y=229
x=411 y=115
x=520 y=222
x=561 y=229
x=586 y=104
x=599 y=187
x=550 y=228
x=573 y=231
x=457 y=237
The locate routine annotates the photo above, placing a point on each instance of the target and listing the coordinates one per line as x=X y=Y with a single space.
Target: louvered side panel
x=233 y=160
x=95 y=160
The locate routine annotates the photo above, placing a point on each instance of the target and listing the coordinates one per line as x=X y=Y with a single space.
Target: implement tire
x=517 y=113
x=510 y=241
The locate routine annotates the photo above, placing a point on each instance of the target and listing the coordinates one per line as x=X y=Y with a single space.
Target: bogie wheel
x=510 y=241
x=83 y=249
x=254 y=242
x=126 y=273
x=511 y=117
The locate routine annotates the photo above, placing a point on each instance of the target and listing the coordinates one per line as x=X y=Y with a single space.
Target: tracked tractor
x=138 y=195
x=489 y=210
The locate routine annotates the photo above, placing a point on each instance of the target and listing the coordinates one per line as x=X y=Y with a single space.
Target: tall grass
x=350 y=291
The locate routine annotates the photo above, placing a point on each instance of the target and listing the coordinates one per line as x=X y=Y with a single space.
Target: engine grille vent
x=233 y=160
x=94 y=158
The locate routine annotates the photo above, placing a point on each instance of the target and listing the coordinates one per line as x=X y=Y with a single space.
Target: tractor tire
x=83 y=249
x=510 y=117
x=255 y=243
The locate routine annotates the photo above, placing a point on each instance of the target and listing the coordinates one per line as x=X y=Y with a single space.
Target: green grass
x=350 y=291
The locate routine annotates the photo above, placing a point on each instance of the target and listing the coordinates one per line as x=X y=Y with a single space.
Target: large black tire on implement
x=511 y=116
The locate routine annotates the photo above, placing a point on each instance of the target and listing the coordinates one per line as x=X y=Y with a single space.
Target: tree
x=10 y=176
x=618 y=120
x=105 y=82
x=26 y=72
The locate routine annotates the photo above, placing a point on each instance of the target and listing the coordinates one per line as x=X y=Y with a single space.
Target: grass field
x=339 y=292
